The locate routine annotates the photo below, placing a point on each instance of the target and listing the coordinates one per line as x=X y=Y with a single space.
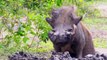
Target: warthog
x=68 y=33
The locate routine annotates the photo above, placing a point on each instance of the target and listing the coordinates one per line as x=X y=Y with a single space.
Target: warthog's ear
x=55 y=14
x=74 y=8
x=49 y=20
x=77 y=20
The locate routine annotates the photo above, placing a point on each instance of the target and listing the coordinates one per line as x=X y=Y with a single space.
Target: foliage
x=21 y=20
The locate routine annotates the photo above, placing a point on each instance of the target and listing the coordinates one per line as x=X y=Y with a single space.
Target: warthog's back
x=89 y=47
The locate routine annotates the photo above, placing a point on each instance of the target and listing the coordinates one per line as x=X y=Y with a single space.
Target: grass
x=95 y=20
x=43 y=47
x=101 y=1
x=99 y=43
x=97 y=23
x=47 y=47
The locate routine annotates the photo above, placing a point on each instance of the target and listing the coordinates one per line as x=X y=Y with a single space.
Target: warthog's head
x=63 y=22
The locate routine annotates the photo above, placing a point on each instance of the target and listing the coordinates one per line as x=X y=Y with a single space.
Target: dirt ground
x=101 y=50
x=99 y=33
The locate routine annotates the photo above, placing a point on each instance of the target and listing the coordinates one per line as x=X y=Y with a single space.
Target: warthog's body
x=69 y=34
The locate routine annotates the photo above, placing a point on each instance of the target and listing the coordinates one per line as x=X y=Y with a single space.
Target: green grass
x=101 y=1
x=99 y=43
x=42 y=47
x=97 y=23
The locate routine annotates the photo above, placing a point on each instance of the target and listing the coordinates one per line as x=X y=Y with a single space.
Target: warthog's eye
x=70 y=30
x=53 y=30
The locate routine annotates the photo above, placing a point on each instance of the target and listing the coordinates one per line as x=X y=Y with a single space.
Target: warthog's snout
x=60 y=38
